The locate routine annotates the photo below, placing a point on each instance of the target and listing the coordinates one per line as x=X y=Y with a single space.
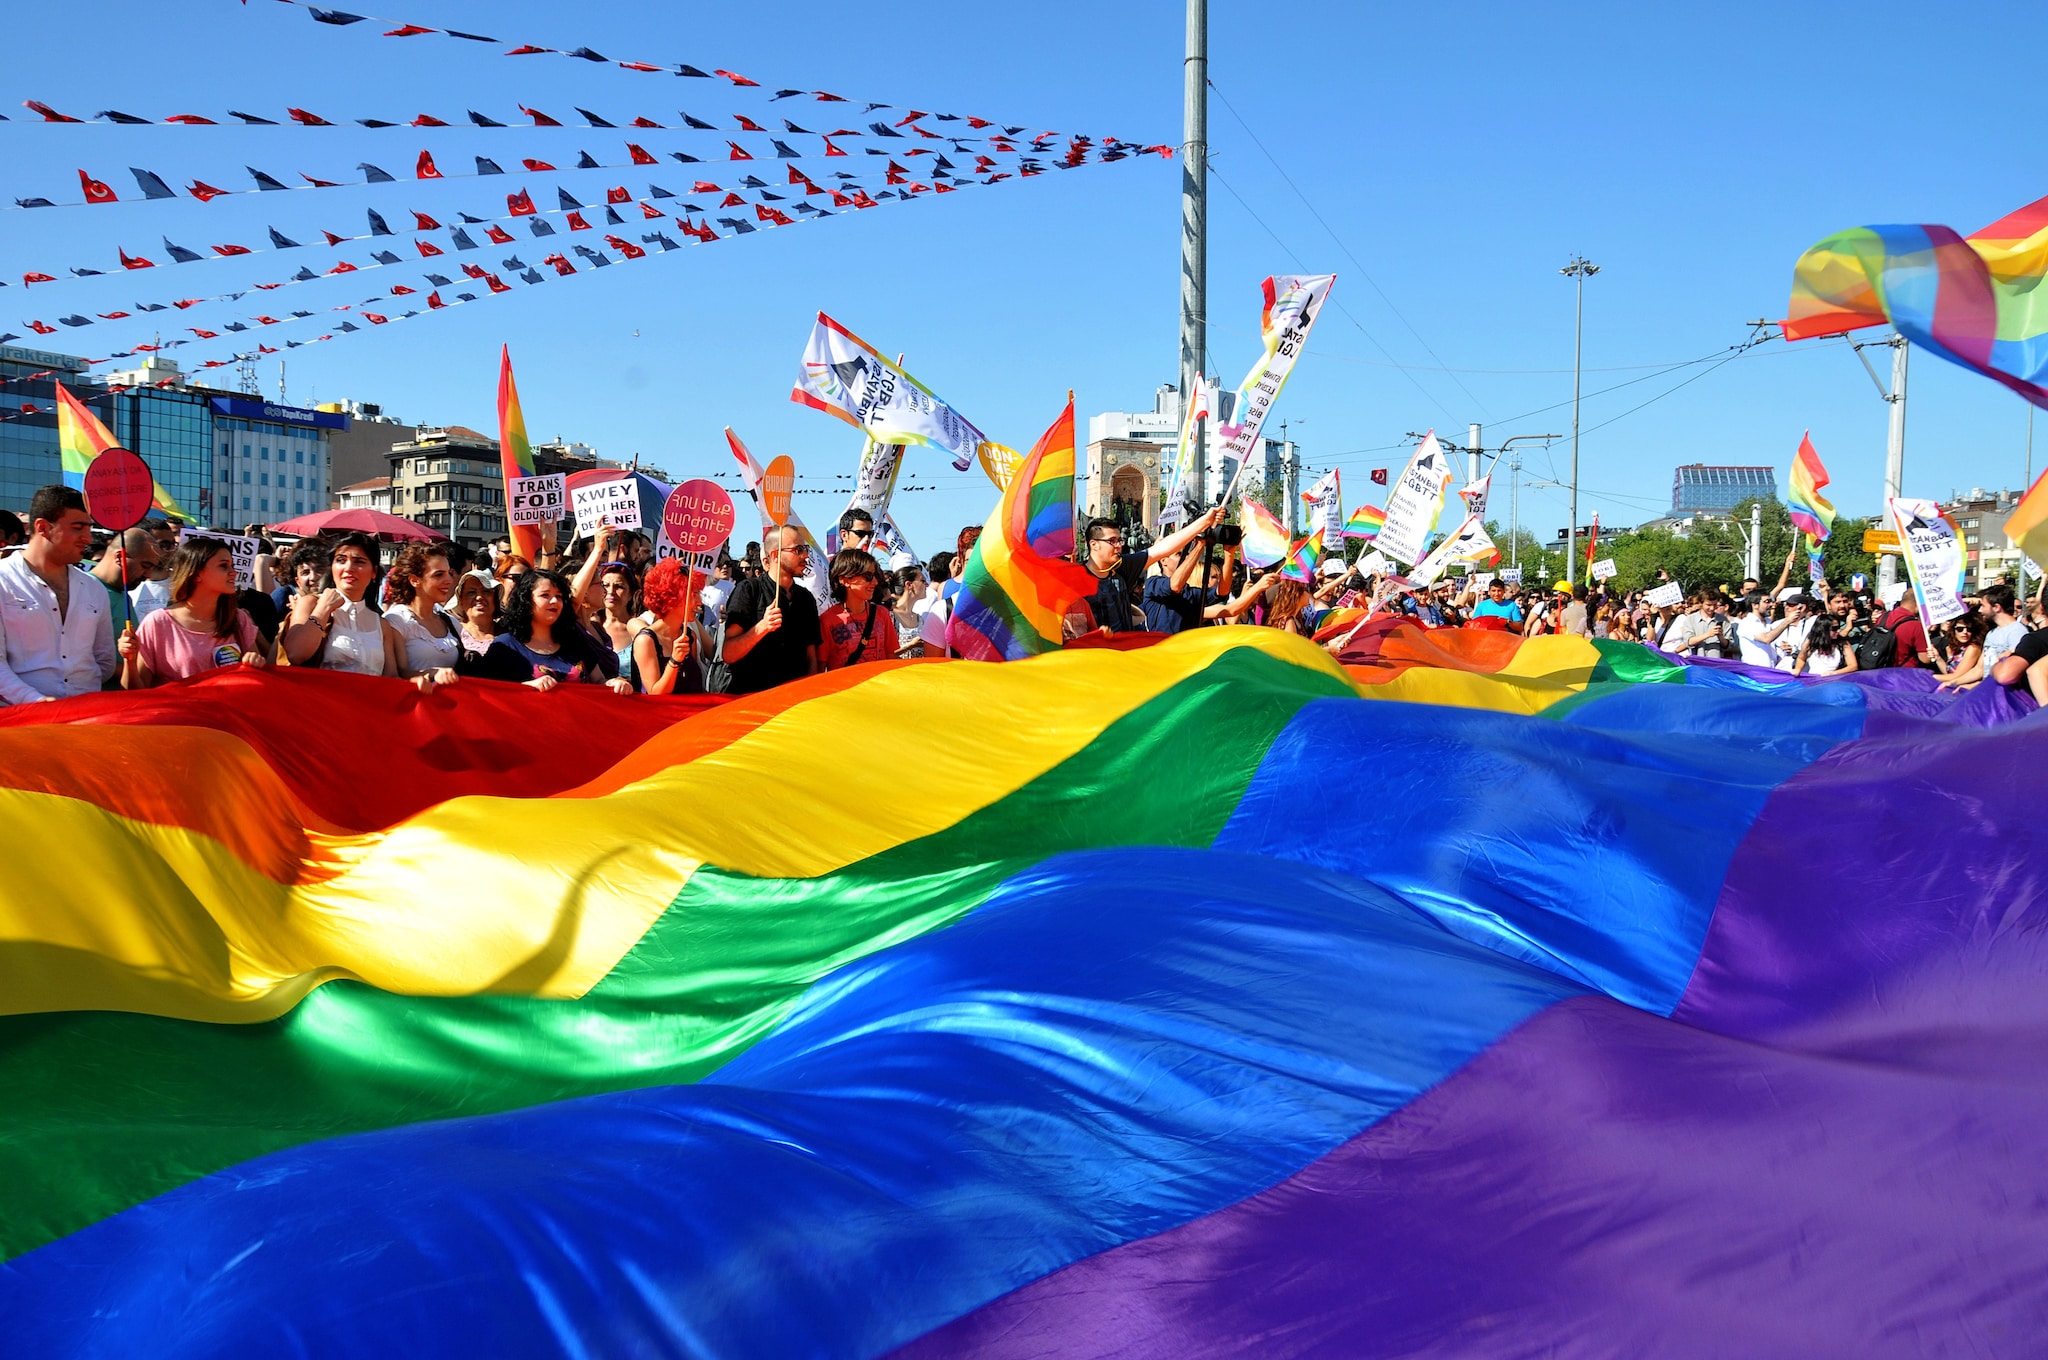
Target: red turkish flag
x=428 y=248
x=576 y=222
x=434 y=300
x=204 y=192
x=497 y=284
x=134 y=261
x=1379 y=476
x=640 y=155
x=422 y=222
x=40 y=329
x=648 y=210
x=426 y=169
x=536 y=166
x=230 y=250
x=96 y=191
x=739 y=153
x=498 y=235
x=519 y=204
x=618 y=195
x=27 y=279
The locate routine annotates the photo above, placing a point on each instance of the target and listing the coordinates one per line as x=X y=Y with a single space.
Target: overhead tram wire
x=1296 y=257
x=1452 y=373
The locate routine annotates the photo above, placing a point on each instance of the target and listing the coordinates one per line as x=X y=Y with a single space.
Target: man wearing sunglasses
x=771 y=621
x=857 y=530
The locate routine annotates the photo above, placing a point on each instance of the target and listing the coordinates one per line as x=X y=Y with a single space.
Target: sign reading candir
x=616 y=503
x=536 y=500
x=1664 y=596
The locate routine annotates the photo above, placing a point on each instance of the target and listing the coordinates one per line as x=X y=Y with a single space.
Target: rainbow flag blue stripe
x=1575 y=1047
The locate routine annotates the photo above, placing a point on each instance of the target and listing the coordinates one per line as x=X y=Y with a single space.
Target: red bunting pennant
x=539 y=119
x=230 y=250
x=739 y=153
x=519 y=204
x=649 y=211
x=343 y=268
x=561 y=264
x=616 y=195
x=426 y=168
x=27 y=279
x=40 y=329
x=434 y=300
x=410 y=31
x=95 y=190
x=134 y=261
x=400 y=290
x=428 y=120
x=576 y=222
x=498 y=235
x=422 y=222
x=308 y=119
x=497 y=284
x=428 y=248
x=191 y=120
x=747 y=124
x=536 y=166
x=640 y=155
x=735 y=78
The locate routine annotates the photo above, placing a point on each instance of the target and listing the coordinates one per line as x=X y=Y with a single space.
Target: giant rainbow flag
x=1015 y=589
x=490 y=1022
x=1970 y=299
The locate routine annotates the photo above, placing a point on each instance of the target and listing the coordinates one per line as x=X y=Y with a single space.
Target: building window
x=245 y=482
x=245 y=502
x=419 y=465
x=299 y=508
x=299 y=456
x=245 y=454
x=263 y=480
x=265 y=505
x=264 y=453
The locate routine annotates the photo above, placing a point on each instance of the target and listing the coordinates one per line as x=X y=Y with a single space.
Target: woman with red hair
x=666 y=654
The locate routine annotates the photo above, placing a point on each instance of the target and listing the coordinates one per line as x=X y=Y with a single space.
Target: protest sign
x=1293 y=301
x=118 y=489
x=698 y=517
x=1511 y=576
x=536 y=500
x=777 y=483
x=1601 y=570
x=1416 y=502
x=616 y=503
x=874 y=483
x=1375 y=563
x=1668 y=594
x=244 y=550
x=1934 y=557
x=1326 y=500
x=1480 y=580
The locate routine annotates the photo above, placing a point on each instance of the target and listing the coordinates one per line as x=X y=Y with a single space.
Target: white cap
x=899 y=561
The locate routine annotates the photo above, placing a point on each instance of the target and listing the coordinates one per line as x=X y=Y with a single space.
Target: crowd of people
x=170 y=605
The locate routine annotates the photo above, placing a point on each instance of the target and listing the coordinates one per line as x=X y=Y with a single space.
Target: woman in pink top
x=203 y=628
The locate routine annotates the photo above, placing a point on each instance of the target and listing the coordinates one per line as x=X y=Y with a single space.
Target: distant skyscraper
x=1697 y=487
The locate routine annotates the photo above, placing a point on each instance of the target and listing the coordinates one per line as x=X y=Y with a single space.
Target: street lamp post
x=1515 y=496
x=1579 y=269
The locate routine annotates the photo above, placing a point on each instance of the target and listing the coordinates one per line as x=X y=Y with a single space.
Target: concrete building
x=363 y=450
x=1697 y=486
x=1989 y=554
x=270 y=462
x=372 y=493
x=1130 y=453
x=448 y=479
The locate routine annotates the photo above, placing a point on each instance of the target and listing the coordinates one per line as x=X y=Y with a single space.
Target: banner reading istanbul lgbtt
x=1416 y=502
x=844 y=376
x=1293 y=302
x=1934 y=557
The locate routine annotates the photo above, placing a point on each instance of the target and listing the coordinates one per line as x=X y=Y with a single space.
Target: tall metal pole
x=1472 y=452
x=1194 y=227
x=1579 y=268
x=1515 y=533
x=1894 y=453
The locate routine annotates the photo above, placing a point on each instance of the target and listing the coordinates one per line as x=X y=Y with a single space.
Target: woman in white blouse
x=421 y=584
x=340 y=629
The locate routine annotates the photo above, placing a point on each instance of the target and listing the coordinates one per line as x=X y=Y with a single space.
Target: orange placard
x=776 y=484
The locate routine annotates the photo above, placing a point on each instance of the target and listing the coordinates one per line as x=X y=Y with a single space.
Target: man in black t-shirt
x=769 y=643
x=2026 y=665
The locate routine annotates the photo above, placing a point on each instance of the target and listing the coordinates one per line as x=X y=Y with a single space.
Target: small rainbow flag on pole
x=1015 y=590
x=1365 y=522
x=1812 y=513
x=1265 y=537
x=1301 y=558
x=515 y=455
x=81 y=437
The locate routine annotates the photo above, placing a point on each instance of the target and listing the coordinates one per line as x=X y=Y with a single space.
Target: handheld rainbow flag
x=1015 y=590
x=1971 y=300
x=1812 y=513
x=1365 y=522
x=81 y=438
x=2027 y=525
x=515 y=455
x=1301 y=558
x=1265 y=537
x=1593 y=541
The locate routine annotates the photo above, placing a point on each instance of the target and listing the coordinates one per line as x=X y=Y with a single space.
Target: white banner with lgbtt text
x=844 y=376
x=1934 y=557
x=1293 y=301
x=1416 y=502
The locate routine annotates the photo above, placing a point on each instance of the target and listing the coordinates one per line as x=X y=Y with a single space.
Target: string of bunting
x=847 y=192
x=767 y=218
x=97 y=192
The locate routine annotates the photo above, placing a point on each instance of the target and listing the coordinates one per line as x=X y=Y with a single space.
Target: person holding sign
x=203 y=628
x=666 y=653
x=56 y=638
x=771 y=629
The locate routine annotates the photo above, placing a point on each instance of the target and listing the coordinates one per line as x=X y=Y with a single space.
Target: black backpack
x=1878 y=649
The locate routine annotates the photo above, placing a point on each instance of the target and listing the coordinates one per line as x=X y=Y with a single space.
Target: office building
x=1696 y=487
x=363 y=450
x=28 y=441
x=1988 y=554
x=271 y=462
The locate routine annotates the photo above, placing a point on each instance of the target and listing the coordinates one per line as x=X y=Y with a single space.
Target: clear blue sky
x=1460 y=153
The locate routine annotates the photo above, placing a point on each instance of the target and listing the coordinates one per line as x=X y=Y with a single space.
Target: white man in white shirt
x=1797 y=623
x=56 y=637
